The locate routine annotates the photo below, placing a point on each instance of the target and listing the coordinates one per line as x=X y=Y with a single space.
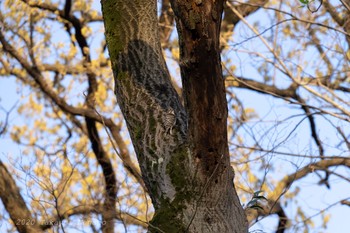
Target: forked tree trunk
x=182 y=150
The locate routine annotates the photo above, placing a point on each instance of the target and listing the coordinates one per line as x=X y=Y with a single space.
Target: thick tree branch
x=333 y=12
x=15 y=205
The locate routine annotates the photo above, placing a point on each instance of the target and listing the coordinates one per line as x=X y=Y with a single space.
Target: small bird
x=169 y=121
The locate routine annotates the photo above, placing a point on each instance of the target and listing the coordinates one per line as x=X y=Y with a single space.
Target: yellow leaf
x=326 y=219
x=86 y=31
x=348 y=54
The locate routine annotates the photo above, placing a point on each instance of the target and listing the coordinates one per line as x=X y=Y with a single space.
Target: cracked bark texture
x=186 y=170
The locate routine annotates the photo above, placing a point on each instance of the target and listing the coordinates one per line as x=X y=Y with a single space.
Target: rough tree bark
x=182 y=150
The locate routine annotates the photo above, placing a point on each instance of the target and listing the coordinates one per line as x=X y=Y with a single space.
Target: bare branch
x=299 y=82
x=345 y=138
x=322 y=165
x=244 y=9
x=314 y=135
x=238 y=81
x=272 y=207
x=97 y=209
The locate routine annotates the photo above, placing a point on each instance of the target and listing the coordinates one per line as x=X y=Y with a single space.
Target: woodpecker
x=169 y=121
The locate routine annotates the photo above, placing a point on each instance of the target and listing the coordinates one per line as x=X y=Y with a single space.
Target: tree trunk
x=182 y=150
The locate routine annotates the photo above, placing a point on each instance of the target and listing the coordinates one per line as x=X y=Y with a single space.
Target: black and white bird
x=169 y=121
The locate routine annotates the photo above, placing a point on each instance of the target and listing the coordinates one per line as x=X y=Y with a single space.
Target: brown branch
x=333 y=12
x=125 y=156
x=4 y=125
x=317 y=43
x=282 y=217
x=286 y=94
x=96 y=144
x=345 y=138
x=39 y=79
x=166 y=22
x=104 y=161
x=346 y=4
x=345 y=202
x=282 y=220
x=71 y=110
x=308 y=169
x=66 y=68
x=66 y=15
x=314 y=135
x=245 y=9
x=15 y=204
x=86 y=210
x=306 y=21
x=108 y=174
x=230 y=19
x=67 y=7
x=285 y=153
x=289 y=92
x=274 y=207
